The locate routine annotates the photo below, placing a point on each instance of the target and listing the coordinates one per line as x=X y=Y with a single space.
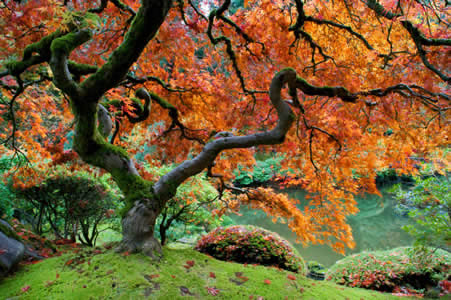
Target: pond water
x=375 y=227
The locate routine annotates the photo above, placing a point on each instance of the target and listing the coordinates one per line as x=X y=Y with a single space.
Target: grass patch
x=183 y=273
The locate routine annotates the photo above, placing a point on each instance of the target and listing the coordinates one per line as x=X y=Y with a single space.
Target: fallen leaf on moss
x=69 y=262
x=25 y=288
x=185 y=291
x=212 y=291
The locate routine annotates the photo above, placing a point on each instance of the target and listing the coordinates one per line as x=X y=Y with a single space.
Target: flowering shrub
x=391 y=270
x=249 y=244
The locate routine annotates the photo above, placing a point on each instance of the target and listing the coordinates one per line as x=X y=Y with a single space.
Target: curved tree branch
x=166 y=186
x=142 y=113
x=61 y=47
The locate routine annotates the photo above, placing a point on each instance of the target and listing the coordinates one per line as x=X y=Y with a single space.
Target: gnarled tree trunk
x=138 y=230
x=144 y=200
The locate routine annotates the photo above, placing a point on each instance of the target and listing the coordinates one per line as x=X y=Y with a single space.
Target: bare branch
x=418 y=38
x=229 y=49
x=174 y=115
x=140 y=80
x=117 y=3
x=341 y=26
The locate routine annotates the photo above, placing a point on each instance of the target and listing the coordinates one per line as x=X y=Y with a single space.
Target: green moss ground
x=107 y=275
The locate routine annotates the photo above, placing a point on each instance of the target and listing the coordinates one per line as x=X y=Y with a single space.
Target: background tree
x=360 y=69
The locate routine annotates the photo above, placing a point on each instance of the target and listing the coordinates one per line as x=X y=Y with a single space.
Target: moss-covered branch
x=141 y=111
x=60 y=48
x=143 y=28
x=312 y=90
x=41 y=48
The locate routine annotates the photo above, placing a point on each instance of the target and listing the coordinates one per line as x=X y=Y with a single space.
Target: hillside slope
x=181 y=274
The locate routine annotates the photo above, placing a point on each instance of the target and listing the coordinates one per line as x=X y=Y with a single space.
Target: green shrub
x=390 y=176
x=388 y=270
x=6 y=201
x=70 y=206
x=249 y=244
x=191 y=211
x=428 y=203
x=264 y=171
x=7 y=196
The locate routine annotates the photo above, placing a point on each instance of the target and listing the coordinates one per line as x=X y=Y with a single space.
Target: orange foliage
x=333 y=166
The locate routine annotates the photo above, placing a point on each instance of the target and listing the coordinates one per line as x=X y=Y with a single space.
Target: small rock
x=11 y=254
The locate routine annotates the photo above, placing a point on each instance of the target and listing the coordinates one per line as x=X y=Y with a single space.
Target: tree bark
x=138 y=230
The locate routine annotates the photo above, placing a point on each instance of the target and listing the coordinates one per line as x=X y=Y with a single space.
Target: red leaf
x=212 y=275
x=267 y=281
x=69 y=262
x=49 y=283
x=25 y=288
x=291 y=277
x=212 y=291
x=154 y=276
x=190 y=263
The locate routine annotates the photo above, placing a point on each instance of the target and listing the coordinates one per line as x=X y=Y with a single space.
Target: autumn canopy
x=202 y=83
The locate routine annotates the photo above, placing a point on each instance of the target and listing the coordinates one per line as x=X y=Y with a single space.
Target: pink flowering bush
x=392 y=270
x=252 y=245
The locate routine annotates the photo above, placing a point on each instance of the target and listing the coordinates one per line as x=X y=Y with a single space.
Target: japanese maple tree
x=367 y=88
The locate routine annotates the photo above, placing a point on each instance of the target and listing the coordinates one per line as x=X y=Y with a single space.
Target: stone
x=11 y=253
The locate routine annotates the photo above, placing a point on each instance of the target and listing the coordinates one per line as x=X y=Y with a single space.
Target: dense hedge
x=389 y=270
x=249 y=244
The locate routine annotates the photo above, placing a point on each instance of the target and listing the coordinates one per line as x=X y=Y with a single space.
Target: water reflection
x=375 y=227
